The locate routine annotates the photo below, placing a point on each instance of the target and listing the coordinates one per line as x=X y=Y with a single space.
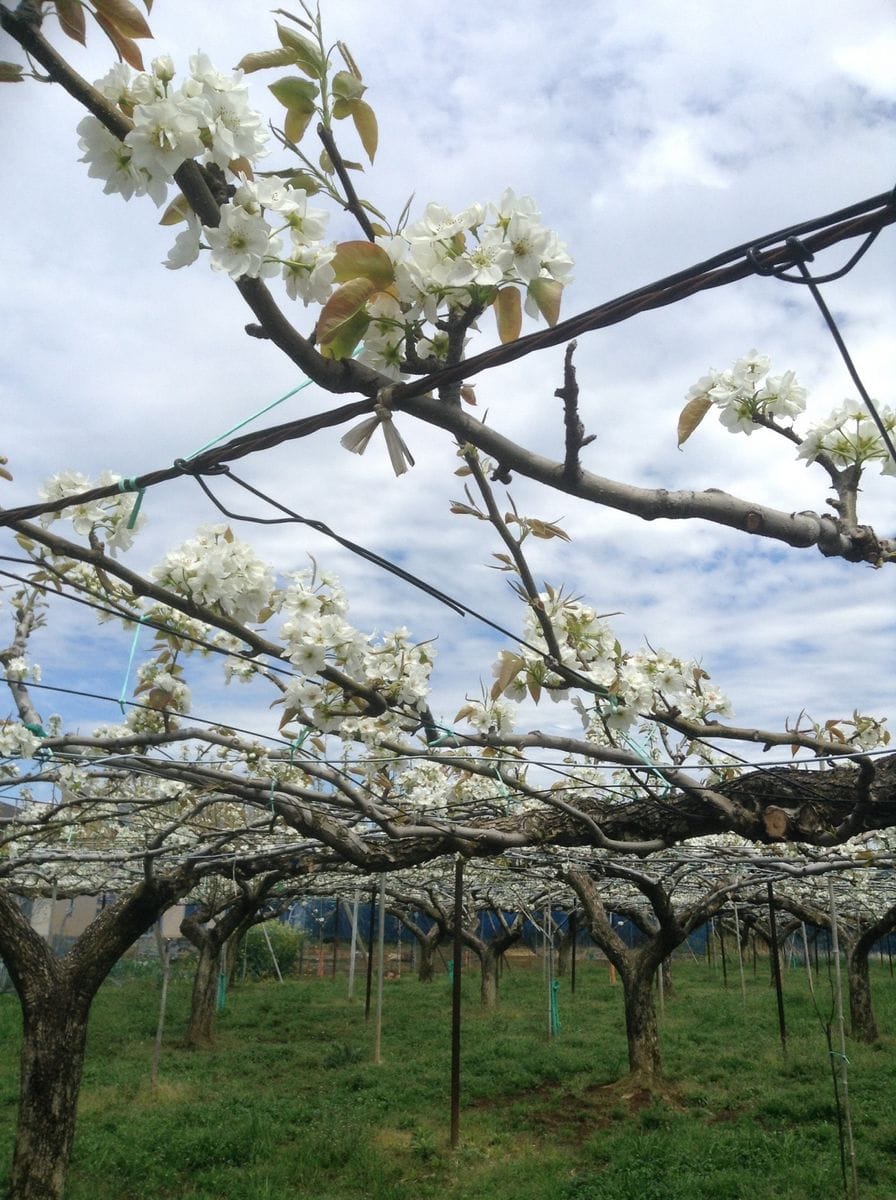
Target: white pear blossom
x=219 y=571
x=112 y=161
x=242 y=245
x=186 y=245
x=165 y=135
x=16 y=741
x=308 y=273
x=850 y=436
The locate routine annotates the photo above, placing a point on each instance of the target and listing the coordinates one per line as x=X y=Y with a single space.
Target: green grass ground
x=289 y=1104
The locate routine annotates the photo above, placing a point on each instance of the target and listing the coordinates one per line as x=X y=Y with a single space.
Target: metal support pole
x=455 y=1001
x=776 y=968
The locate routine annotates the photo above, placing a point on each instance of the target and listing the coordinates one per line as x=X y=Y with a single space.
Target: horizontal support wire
x=863 y=218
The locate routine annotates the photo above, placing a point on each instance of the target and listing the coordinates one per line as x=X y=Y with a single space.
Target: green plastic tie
x=42 y=752
x=297 y=744
x=127 y=674
x=221 y=1001
x=505 y=791
x=447 y=732
x=130 y=485
x=248 y=420
x=555 y=1008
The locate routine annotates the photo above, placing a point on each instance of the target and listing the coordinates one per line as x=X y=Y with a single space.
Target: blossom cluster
x=746 y=392
x=747 y=397
x=247 y=244
x=850 y=436
x=207 y=118
x=220 y=572
x=20 y=669
x=451 y=261
x=114 y=517
x=16 y=741
x=634 y=683
x=317 y=635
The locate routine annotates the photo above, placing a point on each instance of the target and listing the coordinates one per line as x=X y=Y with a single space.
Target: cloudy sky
x=652 y=136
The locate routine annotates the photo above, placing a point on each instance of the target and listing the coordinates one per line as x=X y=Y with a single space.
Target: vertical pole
x=267 y=938
x=380 y=955
x=573 y=933
x=724 y=956
x=354 y=944
x=370 y=954
x=841 y=1029
x=808 y=962
x=661 y=990
x=455 y=1002
x=165 y=956
x=549 y=968
x=740 y=954
x=776 y=967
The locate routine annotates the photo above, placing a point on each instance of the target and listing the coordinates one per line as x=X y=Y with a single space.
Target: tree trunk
x=641 y=1026
x=51 y=1067
x=426 y=966
x=200 y=1030
x=863 y=1025
x=488 y=965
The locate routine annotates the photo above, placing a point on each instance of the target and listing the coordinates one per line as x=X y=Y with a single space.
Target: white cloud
x=652 y=135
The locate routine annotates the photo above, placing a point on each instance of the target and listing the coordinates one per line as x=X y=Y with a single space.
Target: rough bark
x=200 y=1030
x=641 y=1026
x=428 y=939
x=663 y=929
x=211 y=929
x=56 y=995
x=55 y=1032
x=489 y=951
x=863 y=1024
x=488 y=988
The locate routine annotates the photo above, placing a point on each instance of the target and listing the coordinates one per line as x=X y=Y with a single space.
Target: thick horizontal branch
x=799 y=529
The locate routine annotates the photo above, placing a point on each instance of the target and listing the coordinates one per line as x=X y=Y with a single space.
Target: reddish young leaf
x=127 y=49
x=71 y=19
x=354 y=260
x=126 y=17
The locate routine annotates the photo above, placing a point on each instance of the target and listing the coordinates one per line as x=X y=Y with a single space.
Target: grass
x=289 y=1104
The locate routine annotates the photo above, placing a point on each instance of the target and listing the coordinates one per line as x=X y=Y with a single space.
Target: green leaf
x=305 y=54
x=293 y=92
x=354 y=260
x=297 y=179
x=691 y=416
x=346 y=86
x=126 y=18
x=366 y=125
x=11 y=72
x=298 y=98
x=295 y=125
x=264 y=60
x=547 y=294
x=344 y=320
x=509 y=312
